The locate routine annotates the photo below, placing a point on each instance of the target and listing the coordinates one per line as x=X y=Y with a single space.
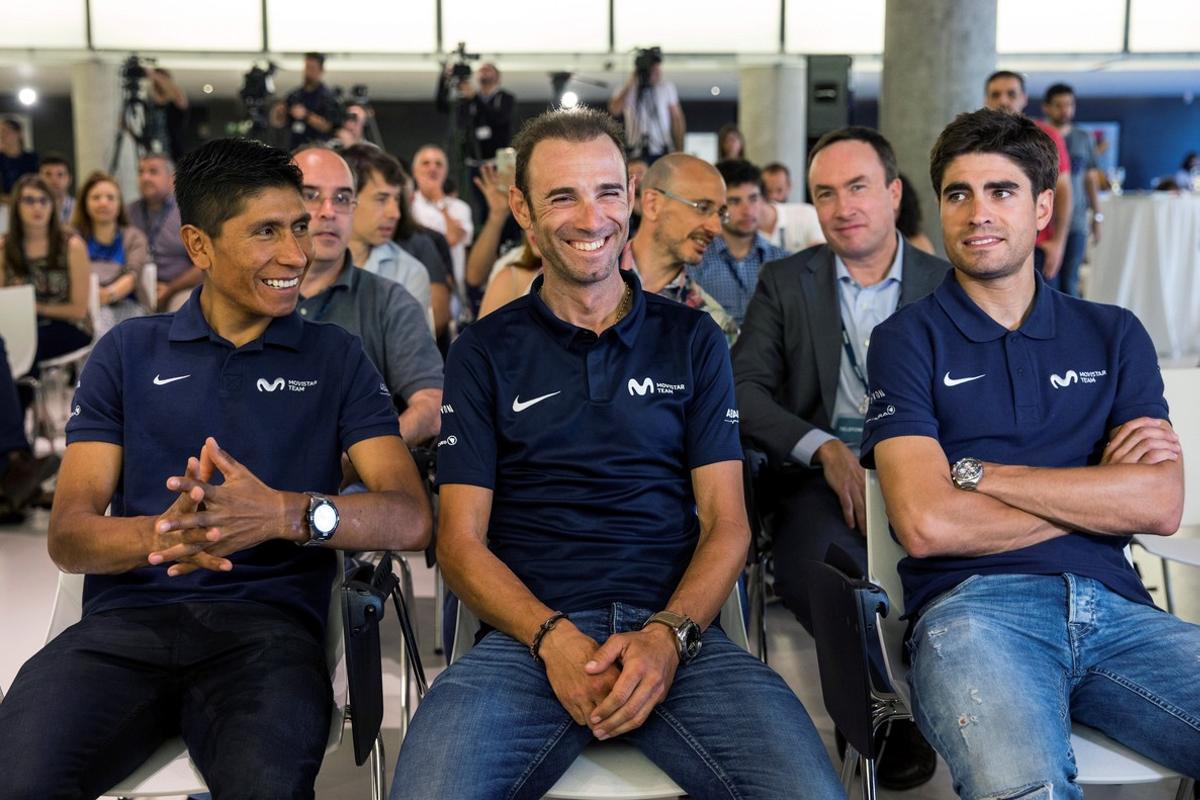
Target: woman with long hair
x=117 y=251
x=731 y=145
x=38 y=251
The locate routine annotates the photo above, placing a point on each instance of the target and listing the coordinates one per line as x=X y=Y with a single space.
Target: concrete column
x=771 y=113
x=96 y=107
x=936 y=56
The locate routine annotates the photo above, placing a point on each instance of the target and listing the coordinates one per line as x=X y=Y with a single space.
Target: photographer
x=312 y=110
x=484 y=116
x=166 y=116
x=654 y=124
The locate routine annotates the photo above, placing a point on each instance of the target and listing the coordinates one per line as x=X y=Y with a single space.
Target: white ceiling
x=412 y=77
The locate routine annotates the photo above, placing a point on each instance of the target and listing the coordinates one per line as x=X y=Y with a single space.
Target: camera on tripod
x=645 y=61
x=461 y=69
x=135 y=70
x=258 y=88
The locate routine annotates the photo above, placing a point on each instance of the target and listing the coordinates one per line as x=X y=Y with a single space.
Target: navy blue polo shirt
x=1044 y=395
x=285 y=405
x=588 y=443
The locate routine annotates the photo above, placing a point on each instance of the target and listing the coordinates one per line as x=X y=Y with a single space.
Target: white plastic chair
x=147 y=289
x=612 y=770
x=169 y=771
x=1182 y=387
x=18 y=327
x=1099 y=759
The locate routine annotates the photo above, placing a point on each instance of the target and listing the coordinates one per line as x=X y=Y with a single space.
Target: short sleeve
x=712 y=424
x=366 y=410
x=98 y=410
x=1139 y=379
x=671 y=93
x=462 y=215
x=901 y=388
x=466 y=452
x=413 y=360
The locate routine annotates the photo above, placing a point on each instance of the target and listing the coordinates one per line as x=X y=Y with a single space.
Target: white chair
x=1098 y=758
x=612 y=770
x=147 y=290
x=1181 y=389
x=18 y=327
x=169 y=771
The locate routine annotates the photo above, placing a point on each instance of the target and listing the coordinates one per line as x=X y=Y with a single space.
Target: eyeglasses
x=35 y=200
x=704 y=208
x=343 y=201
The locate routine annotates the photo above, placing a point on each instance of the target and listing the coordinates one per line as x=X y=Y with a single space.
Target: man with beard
x=393 y=326
x=156 y=214
x=1021 y=437
x=683 y=203
x=592 y=516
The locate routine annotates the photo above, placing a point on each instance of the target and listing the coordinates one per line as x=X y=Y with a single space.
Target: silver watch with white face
x=323 y=518
x=966 y=473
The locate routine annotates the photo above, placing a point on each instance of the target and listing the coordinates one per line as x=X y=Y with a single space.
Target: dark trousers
x=805 y=518
x=56 y=337
x=245 y=685
x=12 y=416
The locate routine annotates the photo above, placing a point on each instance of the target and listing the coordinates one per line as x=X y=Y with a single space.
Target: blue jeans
x=491 y=726
x=1067 y=280
x=245 y=685
x=1001 y=664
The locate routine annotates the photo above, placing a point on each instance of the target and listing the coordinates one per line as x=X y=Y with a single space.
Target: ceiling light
x=569 y=100
x=27 y=96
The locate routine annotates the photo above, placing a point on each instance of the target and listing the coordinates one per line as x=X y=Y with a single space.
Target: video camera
x=462 y=69
x=134 y=71
x=258 y=87
x=643 y=62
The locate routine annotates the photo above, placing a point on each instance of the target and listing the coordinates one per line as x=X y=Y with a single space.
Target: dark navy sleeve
x=713 y=430
x=98 y=410
x=900 y=369
x=1139 y=379
x=367 y=410
x=466 y=452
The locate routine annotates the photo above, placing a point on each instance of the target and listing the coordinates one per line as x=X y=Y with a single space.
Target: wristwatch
x=323 y=518
x=966 y=473
x=1097 y=216
x=687 y=633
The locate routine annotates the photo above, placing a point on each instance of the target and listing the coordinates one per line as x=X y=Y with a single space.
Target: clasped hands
x=610 y=688
x=207 y=523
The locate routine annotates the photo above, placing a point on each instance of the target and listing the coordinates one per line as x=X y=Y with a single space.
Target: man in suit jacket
x=800 y=367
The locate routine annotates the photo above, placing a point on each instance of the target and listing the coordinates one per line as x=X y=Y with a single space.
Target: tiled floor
x=27 y=582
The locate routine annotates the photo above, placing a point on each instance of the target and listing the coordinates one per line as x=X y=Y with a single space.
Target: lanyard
x=152 y=230
x=858 y=373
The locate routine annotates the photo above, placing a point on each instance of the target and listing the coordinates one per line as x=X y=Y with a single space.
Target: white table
x=1148 y=261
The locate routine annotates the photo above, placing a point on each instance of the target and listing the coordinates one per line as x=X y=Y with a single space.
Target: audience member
x=392 y=324
x=15 y=160
x=379 y=187
x=20 y=473
x=431 y=249
x=311 y=111
x=1014 y=484
x=352 y=130
x=908 y=217
x=792 y=227
x=116 y=250
x=56 y=172
x=1005 y=91
x=1059 y=108
x=198 y=584
x=156 y=214
x=684 y=202
x=637 y=174
x=1189 y=172
x=166 y=115
x=729 y=269
x=801 y=380
x=649 y=106
x=731 y=146
x=777 y=182
x=37 y=250
x=546 y=538
x=487 y=245
x=448 y=216
x=485 y=117
x=511 y=280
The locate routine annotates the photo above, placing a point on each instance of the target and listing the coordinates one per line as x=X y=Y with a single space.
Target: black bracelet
x=547 y=626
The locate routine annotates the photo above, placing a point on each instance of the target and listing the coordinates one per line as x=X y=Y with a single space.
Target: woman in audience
x=731 y=145
x=118 y=251
x=511 y=280
x=38 y=251
x=431 y=249
x=908 y=218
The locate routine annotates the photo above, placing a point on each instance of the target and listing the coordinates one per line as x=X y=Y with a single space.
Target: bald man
x=683 y=202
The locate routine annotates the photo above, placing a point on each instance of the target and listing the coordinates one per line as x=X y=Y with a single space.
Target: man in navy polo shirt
x=1021 y=436
x=202 y=616
x=585 y=428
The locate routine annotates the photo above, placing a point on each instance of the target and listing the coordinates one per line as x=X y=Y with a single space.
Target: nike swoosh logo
x=519 y=406
x=164 y=381
x=946 y=379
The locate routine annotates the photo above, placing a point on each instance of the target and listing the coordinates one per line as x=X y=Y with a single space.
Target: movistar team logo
x=641 y=389
x=265 y=385
x=274 y=385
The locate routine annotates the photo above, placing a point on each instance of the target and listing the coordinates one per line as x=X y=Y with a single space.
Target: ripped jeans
x=1001 y=664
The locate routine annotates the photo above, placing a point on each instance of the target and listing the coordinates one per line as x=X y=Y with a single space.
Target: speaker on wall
x=828 y=106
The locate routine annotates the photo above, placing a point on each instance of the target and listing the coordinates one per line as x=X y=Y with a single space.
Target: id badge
x=849 y=430
x=483 y=132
